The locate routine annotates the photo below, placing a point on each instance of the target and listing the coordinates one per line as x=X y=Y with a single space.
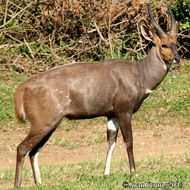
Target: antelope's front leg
x=112 y=131
x=126 y=130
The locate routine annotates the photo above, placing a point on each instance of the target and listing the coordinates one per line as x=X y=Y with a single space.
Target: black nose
x=177 y=59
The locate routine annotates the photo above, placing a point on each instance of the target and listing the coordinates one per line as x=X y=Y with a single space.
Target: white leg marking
x=108 y=161
x=36 y=169
x=23 y=112
x=113 y=124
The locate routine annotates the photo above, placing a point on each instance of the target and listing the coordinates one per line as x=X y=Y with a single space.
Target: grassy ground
x=88 y=175
x=169 y=105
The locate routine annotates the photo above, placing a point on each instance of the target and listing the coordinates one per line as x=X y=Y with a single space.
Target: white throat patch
x=174 y=61
x=148 y=91
x=165 y=67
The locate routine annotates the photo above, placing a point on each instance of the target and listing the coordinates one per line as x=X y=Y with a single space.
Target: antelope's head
x=165 y=43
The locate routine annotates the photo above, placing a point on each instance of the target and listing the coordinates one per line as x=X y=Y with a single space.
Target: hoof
x=106 y=173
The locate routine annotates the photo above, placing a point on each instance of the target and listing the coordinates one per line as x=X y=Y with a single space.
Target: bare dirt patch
x=161 y=140
x=166 y=140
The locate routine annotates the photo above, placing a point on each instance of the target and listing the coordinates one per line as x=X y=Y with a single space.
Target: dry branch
x=80 y=30
x=14 y=16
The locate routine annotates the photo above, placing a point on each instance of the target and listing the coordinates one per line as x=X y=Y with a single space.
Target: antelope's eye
x=164 y=46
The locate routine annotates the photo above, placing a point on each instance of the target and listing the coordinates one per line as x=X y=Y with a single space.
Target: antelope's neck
x=152 y=69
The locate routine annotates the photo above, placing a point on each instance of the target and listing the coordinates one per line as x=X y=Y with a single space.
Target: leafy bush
x=36 y=35
x=182 y=14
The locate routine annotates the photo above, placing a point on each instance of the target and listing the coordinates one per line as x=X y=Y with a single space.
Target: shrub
x=36 y=35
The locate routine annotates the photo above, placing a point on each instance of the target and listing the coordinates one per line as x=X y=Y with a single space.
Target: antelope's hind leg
x=44 y=114
x=34 y=157
x=112 y=131
x=31 y=143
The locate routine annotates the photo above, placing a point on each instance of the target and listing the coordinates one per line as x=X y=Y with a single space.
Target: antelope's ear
x=147 y=34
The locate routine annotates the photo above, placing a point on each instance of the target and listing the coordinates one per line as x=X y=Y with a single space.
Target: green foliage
x=54 y=33
x=182 y=11
x=24 y=49
x=182 y=14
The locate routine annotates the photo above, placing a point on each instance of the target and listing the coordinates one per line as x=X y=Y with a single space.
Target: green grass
x=116 y=181
x=62 y=142
x=88 y=175
x=7 y=89
x=87 y=132
x=168 y=105
x=6 y=100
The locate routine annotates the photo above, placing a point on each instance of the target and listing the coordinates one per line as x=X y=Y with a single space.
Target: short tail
x=19 y=104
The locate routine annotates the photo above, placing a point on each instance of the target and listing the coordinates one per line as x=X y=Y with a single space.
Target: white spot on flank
x=108 y=161
x=69 y=100
x=113 y=124
x=59 y=107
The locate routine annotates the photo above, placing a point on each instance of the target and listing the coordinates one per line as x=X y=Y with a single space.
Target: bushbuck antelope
x=113 y=88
